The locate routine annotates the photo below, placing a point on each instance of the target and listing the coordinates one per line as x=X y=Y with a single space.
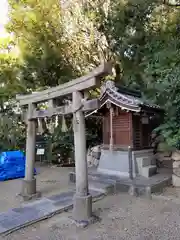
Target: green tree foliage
x=162 y=70
x=10 y=82
x=59 y=40
x=126 y=28
x=12 y=131
x=143 y=38
x=37 y=27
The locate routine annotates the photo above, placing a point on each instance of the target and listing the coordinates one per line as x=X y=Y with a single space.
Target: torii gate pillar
x=28 y=190
x=82 y=210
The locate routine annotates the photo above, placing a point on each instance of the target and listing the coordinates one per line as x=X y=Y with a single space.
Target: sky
x=3 y=16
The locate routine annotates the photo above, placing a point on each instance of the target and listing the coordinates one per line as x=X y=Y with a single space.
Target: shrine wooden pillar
x=82 y=209
x=111 y=137
x=111 y=140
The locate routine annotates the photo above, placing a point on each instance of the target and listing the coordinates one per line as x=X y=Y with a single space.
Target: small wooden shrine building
x=128 y=121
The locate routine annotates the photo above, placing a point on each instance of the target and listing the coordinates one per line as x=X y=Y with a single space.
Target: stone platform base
x=28 y=191
x=30 y=197
x=145 y=192
x=139 y=186
x=82 y=208
x=143 y=163
x=86 y=223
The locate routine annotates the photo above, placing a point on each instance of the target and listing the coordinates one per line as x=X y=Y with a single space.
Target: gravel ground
x=50 y=180
x=122 y=217
x=171 y=192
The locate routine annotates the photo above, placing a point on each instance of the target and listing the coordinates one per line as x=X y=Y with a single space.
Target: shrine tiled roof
x=126 y=100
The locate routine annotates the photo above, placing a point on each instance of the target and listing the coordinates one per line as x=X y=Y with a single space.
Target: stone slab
x=96 y=185
x=156 y=183
x=20 y=217
x=38 y=210
x=9 y=220
x=45 y=208
x=139 y=180
x=114 y=167
x=62 y=197
x=23 y=215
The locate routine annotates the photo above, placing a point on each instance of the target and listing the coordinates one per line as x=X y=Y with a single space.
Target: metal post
x=130 y=162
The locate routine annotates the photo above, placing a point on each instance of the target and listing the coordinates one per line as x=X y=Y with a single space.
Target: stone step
x=100 y=186
x=143 y=186
x=144 y=162
x=97 y=183
x=95 y=177
x=149 y=171
x=101 y=178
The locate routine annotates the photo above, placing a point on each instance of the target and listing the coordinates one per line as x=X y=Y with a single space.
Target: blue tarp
x=12 y=165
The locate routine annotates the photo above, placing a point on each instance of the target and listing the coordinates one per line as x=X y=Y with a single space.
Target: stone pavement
x=122 y=217
x=35 y=211
x=52 y=180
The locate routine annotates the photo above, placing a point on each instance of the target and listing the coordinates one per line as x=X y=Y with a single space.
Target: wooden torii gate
x=82 y=209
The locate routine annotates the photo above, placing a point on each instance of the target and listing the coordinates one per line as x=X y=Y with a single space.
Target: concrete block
x=149 y=171
x=146 y=161
x=148 y=192
x=175 y=181
x=132 y=190
x=72 y=177
x=143 y=162
x=82 y=208
x=28 y=190
x=28 y=187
